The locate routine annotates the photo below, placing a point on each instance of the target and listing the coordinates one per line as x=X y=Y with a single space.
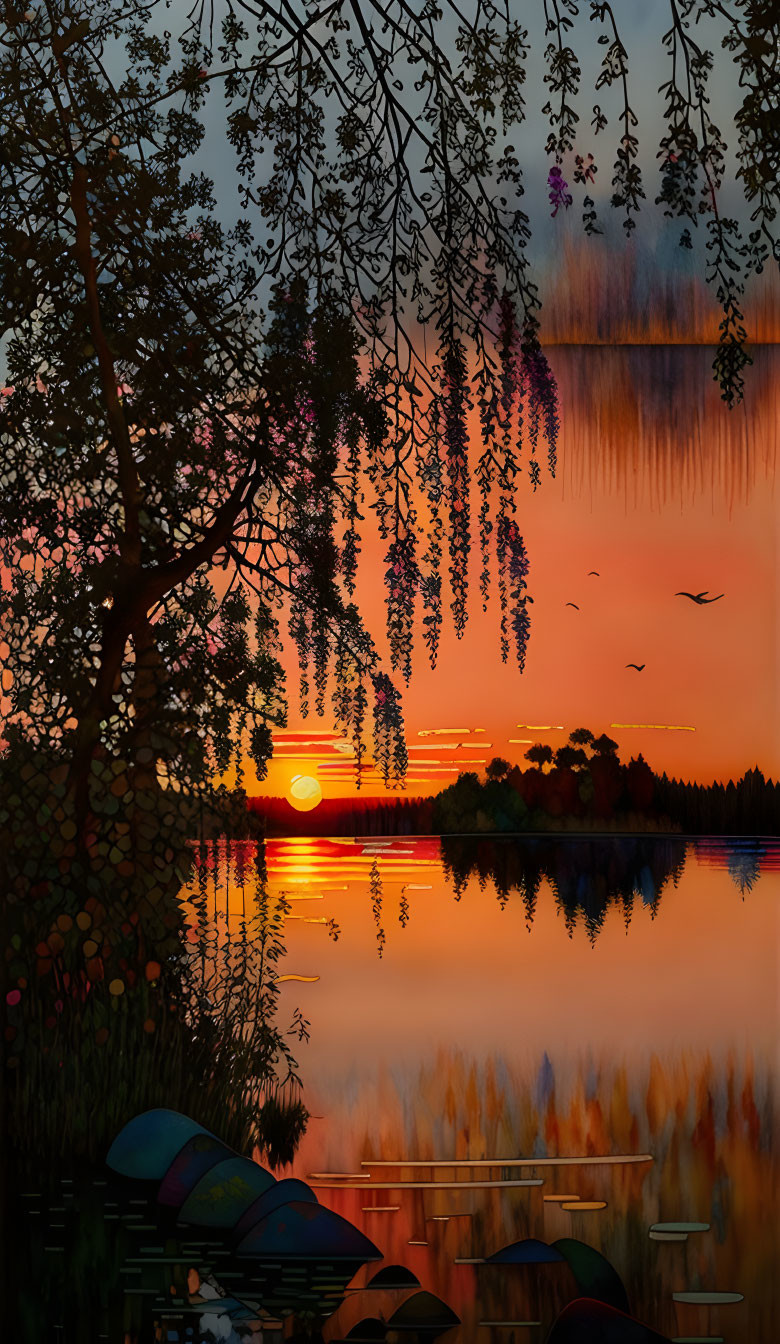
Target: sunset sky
x=659 y=488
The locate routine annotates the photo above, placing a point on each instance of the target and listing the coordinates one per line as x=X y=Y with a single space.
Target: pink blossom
x=560 y=196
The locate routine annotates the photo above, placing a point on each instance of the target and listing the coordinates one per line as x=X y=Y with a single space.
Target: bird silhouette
x=594 y=571
x=701 y=599
x=638 y=666
x=572 y=604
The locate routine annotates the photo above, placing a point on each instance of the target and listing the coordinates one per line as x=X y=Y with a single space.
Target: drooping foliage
x=183 y=400
x=378 y=265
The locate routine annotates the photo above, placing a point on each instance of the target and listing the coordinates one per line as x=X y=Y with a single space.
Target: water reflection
x=709 y=1130
x=559 y=1071
x=744 y=857
x=587 y=876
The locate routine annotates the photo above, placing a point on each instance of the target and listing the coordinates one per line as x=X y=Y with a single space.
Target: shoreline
x=540 y=835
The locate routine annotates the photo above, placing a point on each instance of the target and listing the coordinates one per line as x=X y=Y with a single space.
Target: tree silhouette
x=540 y=754
x=183 y=396
x=197 y=415
x=571 y=758
x=581 y=737
x=604 y=745
x=498 y=768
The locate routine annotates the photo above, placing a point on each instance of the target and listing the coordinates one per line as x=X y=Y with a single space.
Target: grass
x=186 y=1020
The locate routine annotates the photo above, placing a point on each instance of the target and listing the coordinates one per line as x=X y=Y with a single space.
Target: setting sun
x=304 y=793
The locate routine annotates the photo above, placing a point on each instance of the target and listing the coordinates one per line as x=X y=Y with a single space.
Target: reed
x=106 y=1021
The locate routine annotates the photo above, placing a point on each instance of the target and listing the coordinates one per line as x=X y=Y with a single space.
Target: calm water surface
x=489 y=1001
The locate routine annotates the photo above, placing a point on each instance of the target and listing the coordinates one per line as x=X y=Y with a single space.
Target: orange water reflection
x=482 y=1034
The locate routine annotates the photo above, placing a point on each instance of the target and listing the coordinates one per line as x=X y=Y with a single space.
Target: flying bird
x=594 y=571
x=701 y=598
x=638 y=666
x=572 y=604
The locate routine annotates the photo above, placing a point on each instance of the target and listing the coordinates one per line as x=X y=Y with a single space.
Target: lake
x=489 y=1018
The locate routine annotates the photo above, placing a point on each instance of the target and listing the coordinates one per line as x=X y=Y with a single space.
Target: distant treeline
x=601 y=794
x=604 y=794
x=749 y=807
x=348 y=816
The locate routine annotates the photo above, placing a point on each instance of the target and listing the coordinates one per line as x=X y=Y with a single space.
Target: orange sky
x=659 y=488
